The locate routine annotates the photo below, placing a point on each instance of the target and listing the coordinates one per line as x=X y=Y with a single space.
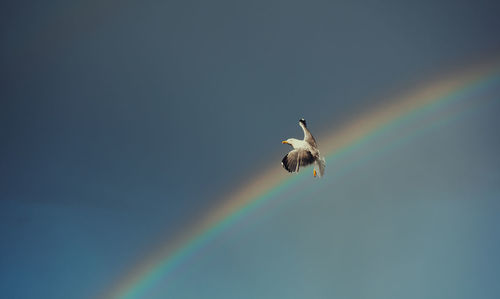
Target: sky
x=123 y=122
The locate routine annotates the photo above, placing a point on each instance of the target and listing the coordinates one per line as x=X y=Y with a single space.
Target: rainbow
x=253 y=194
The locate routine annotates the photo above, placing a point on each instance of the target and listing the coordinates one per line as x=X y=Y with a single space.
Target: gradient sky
x=121 y=122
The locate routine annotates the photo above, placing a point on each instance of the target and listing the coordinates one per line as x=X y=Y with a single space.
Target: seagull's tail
x=321 y=163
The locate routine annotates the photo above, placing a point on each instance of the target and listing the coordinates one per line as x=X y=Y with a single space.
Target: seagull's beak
x=284 y=142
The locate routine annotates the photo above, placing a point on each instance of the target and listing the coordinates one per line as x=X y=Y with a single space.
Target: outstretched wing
x=296 y=159
x=308 y=137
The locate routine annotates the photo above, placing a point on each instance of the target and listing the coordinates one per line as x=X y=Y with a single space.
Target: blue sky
x=122 y=122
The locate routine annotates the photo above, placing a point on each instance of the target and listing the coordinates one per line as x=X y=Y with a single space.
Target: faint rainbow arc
x=251 y=195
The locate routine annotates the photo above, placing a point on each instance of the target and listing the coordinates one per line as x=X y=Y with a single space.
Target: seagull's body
x=305 y=152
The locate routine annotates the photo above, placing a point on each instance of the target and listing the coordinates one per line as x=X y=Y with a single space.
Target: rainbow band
x=273 y=181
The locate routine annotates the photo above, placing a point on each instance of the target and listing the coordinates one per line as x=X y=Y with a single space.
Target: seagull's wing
x=296 y=159
x=308 y=137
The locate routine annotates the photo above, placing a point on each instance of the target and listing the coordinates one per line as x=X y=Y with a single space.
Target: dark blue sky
x=122 y=121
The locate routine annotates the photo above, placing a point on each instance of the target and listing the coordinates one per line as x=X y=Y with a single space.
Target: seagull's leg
x=314 y=172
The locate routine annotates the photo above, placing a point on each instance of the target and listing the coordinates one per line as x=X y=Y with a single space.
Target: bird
x=305 y=152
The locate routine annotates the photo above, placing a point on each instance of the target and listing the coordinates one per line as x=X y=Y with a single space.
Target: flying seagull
x=304 y=152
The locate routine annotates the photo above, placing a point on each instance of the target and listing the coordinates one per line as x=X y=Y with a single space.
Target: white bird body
x=304 y=152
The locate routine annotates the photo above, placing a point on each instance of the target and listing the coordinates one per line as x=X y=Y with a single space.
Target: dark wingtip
x=303 y=121
x=284 y=163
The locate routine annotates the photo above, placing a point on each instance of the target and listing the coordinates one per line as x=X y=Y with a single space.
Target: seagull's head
x=290 y=141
